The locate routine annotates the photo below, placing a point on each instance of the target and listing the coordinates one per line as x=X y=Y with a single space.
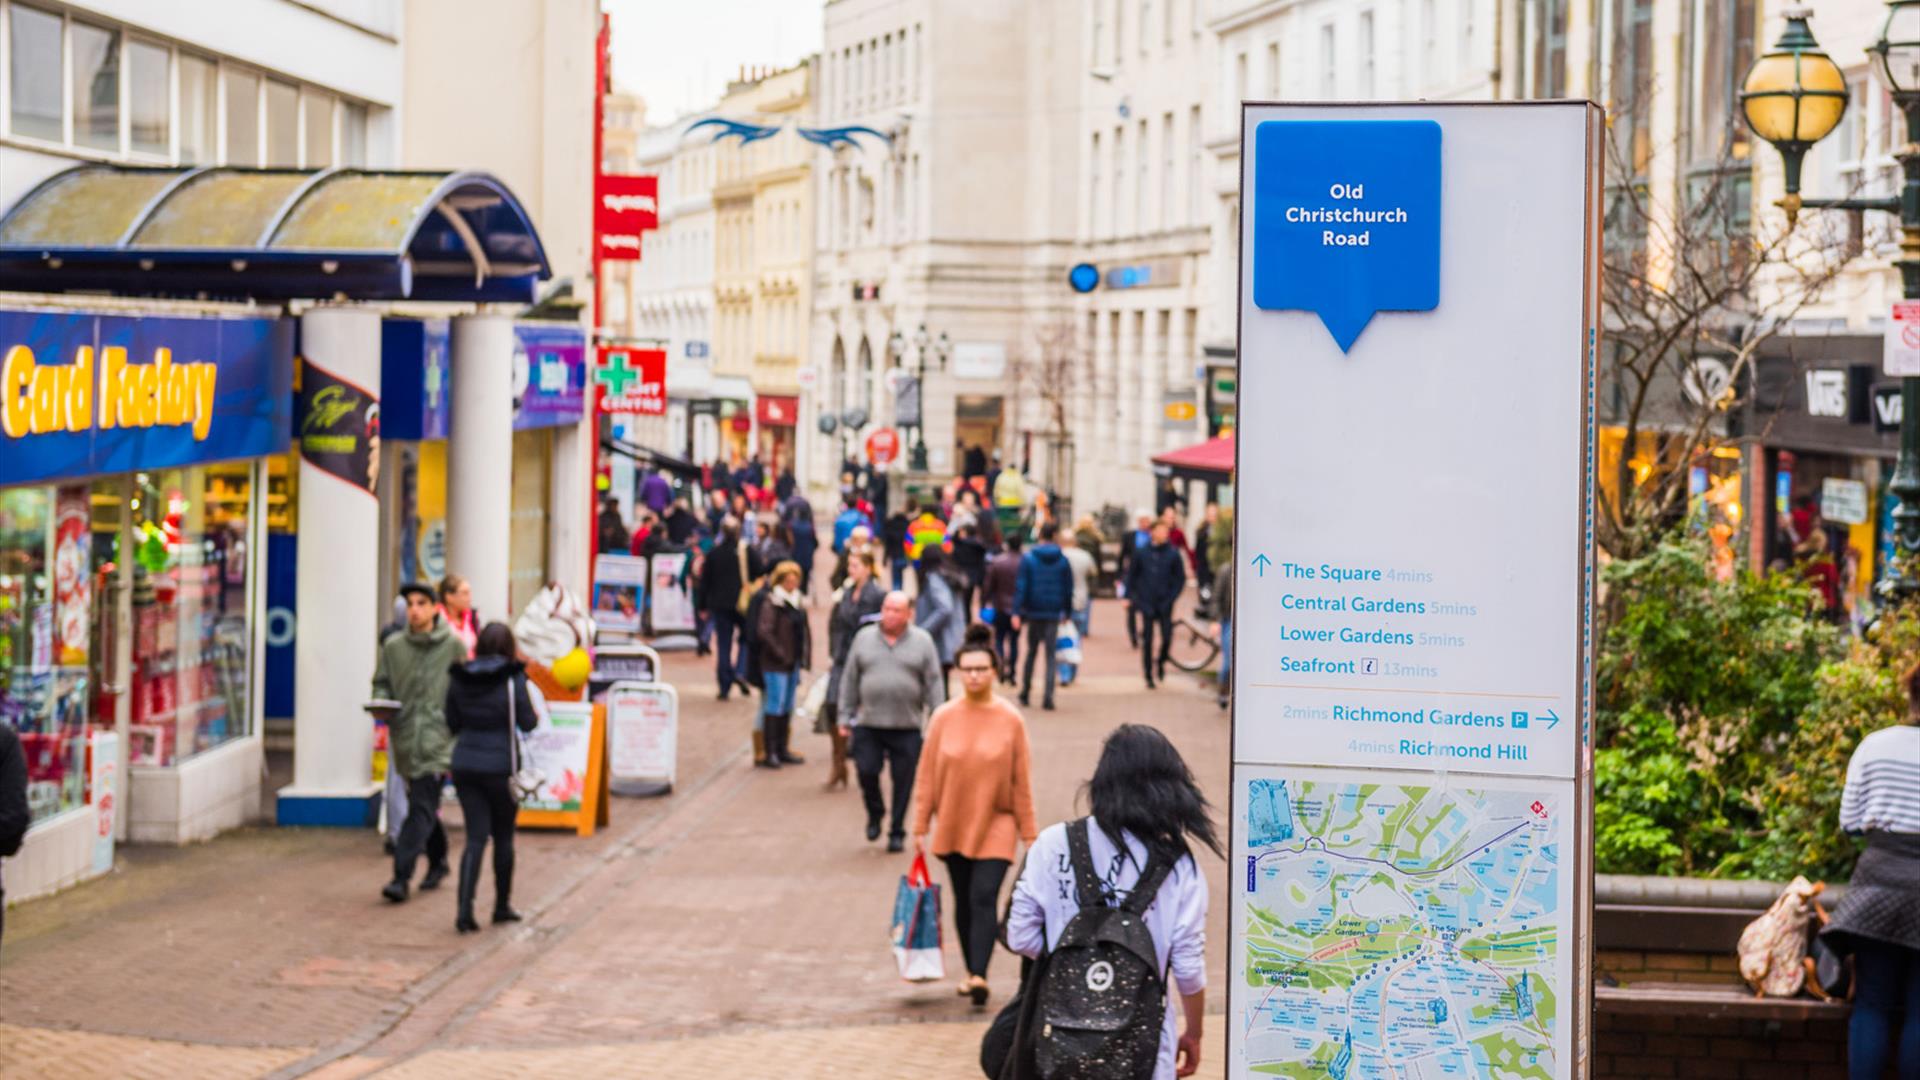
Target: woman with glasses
x=975 y=789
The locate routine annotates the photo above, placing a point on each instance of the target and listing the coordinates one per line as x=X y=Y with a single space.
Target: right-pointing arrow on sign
x=1552 y=718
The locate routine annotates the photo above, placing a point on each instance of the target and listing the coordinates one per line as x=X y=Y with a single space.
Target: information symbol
x=1369 y=666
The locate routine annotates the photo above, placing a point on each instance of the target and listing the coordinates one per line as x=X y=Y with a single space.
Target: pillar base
x=353 y=809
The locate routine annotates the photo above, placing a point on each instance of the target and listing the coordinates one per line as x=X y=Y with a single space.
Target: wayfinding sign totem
x=1411 y=821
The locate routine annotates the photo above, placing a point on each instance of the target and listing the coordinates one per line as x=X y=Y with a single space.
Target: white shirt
x=1883 y=783
x=1045 y=899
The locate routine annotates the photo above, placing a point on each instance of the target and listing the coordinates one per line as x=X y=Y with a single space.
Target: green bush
x=1701 y=688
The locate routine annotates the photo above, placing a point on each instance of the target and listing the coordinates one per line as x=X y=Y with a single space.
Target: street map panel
x=1401 y=932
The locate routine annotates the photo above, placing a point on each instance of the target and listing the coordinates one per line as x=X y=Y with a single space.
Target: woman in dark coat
x=718 y=595
x=487 y=697
x=855 y=604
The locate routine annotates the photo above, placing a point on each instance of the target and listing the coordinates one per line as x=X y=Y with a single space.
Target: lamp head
x=1898 y=49
x=896 y=345
x=1793 y=96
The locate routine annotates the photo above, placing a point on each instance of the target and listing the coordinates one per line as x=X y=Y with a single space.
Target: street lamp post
x=1793 y=97
x=922 y=344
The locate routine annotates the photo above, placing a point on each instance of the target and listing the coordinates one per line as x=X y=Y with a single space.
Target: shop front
x=776 y=416
x=134 y=496
x=1824 y=426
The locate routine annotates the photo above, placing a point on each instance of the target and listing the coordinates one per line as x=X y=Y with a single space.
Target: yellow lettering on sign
x=16 y=382
x=39 y=398
x=35 y=399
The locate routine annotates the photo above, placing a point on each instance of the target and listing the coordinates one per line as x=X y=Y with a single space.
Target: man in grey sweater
x=893 y=680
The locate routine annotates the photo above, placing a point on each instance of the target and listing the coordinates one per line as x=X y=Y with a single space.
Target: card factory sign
x=83 y=394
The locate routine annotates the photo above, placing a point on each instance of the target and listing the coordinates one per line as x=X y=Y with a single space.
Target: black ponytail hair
x=1143 y=786
x=978 y=639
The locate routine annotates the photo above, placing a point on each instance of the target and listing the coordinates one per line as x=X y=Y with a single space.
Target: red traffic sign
x=631 y=380
x=883 y=446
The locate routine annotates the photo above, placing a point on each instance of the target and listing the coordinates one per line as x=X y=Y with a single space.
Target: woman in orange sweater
x=974 y=785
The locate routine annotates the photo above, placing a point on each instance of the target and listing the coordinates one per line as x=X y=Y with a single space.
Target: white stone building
x=959 y=223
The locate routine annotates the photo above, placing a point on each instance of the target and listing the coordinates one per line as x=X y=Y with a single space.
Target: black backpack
x=1101 y=997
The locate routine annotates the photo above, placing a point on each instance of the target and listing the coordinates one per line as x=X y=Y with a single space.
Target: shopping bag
x=1066 y=643
x=815 y=698
x=916 y=925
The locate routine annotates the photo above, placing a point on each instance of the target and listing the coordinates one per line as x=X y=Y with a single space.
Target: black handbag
x=1832 y=970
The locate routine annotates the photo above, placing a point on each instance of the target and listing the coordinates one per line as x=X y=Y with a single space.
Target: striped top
x=1883 y=783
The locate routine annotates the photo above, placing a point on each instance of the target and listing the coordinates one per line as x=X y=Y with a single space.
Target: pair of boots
x=470 y=883
x=770 y=746
x=837 y=772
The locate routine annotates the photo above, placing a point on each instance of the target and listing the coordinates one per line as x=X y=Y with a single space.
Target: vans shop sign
x=85 y=394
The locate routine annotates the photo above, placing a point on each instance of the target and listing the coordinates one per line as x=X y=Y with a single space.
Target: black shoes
x=1025 y=701
x=465 y=923
x=503 y=913
x=1047 y=705
x=896 y=844
x=396 y=891
x=436 y=874
x=873 y=827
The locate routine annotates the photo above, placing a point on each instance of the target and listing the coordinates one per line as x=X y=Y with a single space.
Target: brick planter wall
x=1702 y=1048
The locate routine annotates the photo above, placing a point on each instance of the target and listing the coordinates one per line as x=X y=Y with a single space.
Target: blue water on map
x=1269 y=813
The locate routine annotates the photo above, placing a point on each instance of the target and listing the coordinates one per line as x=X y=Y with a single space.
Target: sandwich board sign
x=1411 y=818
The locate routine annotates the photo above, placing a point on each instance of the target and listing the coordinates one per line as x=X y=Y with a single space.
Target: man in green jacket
x=413 y=670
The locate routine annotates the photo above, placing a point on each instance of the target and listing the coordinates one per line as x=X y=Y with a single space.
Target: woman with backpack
x=974 y=785
x=487 y=698
x=783 y=648
x=1131 y=866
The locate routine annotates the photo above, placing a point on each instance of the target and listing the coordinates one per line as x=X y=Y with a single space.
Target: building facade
x=956 y=220
x=145 y=682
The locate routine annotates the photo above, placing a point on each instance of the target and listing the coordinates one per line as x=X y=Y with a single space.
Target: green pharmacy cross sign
x=615 y=373
x=631 y=380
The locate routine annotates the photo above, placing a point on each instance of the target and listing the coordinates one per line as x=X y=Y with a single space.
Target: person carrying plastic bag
x=916 y=925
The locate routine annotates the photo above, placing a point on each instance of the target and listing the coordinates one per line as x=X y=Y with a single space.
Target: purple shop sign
x=549 y=375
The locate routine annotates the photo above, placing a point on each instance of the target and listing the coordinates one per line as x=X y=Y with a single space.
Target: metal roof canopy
x=273 y=234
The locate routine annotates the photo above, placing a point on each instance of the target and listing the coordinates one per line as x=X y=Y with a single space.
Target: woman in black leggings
x=487 y=697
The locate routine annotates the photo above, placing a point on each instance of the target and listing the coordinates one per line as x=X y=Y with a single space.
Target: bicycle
x=1194 y=646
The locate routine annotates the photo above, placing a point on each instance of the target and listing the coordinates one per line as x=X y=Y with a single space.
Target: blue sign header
x=82 y=394
x=414 y=394
x=549 y=375
x=1346 y=219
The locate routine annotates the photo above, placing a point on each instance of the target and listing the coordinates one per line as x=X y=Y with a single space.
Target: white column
x=339 y=608
x=480 y=459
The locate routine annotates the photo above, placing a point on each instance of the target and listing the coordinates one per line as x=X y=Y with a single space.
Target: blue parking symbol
x=1518 y=720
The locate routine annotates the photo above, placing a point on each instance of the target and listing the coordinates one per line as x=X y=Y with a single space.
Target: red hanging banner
x=623 y=208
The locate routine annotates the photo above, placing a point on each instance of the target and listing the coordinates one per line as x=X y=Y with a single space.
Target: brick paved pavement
x=737 y=922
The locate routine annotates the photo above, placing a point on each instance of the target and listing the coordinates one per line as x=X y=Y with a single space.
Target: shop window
x=199 y=111
x=527 y=534
x=243 y=117
x=33 y=59
x=96 y=87
x=148 y=98
x=191 y=566
x=46 y=632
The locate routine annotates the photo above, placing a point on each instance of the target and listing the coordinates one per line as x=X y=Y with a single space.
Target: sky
x=680 y=54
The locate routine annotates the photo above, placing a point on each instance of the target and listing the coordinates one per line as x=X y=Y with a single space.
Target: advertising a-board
x=1411 y=812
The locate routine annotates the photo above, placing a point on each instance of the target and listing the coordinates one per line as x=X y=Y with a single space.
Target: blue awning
x=272 y=234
